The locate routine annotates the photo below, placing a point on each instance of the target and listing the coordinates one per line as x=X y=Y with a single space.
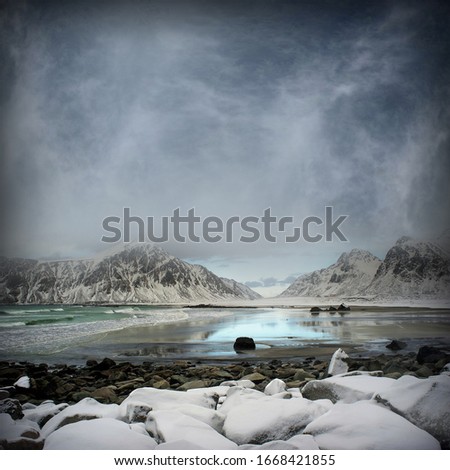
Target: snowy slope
x=413 y=269
x=350 y=275
x=138 y=273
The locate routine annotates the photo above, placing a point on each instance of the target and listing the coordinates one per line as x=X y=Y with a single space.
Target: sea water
x=74 y=333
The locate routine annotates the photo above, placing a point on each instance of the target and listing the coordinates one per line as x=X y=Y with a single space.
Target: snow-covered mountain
x=138 y=273
x=411 y=270
x=351 y=274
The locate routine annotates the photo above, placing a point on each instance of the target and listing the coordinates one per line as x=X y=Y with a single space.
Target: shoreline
x=70 y=407
x=109 y=381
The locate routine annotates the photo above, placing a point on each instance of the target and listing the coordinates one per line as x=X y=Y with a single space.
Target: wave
x=2 y=312
x=126 y=310
x=44 y=321
x=57 y=310
x=11 y=324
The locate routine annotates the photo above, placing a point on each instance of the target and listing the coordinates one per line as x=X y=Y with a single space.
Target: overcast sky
x=230 y=108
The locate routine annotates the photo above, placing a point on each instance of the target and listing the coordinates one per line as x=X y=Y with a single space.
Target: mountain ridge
x=136 y=274
x=410 y=269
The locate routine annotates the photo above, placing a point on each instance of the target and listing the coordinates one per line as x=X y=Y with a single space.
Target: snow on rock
x=366 y=425
x=208 y=416
x=274 y=387
x=42 y=413
x=337 y=364
x=244 y=383
x=299 y=442
x=19 y=434
x=23 y=382
x=255 y=420
x=169 y=425
x=446 y=369
x=86 y=409
x=347 y=388
x=143 y=400
x=424 y=402
x=98 y=434
x=181 y=444
x=237 y=396
x=303 y=442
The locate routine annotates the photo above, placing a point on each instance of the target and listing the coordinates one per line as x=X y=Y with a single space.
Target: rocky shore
x=25 y=386
x=111 y=382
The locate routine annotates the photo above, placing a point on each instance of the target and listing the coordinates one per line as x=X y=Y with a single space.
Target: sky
x=229 y=108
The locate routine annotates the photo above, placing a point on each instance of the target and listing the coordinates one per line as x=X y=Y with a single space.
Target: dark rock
x=105 y=394
x=161 y=384
x=315 y=310
x=78 y=396
x=243 y=343
x=91 y=363
x=23 y=443
x=106 y=364
x=343 y=308
x=255 y=377
x=396 y=345
x=429 y=354
x=11 y=407
x=424 y=372
x=194 y=384
x=332 y=309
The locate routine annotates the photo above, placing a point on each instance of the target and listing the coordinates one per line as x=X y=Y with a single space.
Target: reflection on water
x=144 y=334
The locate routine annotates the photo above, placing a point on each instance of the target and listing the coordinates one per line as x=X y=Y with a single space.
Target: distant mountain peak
x=411 y=269
x=352 y=272
x=137 y=273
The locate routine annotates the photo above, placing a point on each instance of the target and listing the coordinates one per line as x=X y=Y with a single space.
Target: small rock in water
x=244 y=343
x=396 y=345
x=343 y=308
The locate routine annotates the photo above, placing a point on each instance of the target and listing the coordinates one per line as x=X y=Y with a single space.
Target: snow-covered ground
x=357 y=410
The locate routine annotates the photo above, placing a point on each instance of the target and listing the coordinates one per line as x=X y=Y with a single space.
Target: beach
x=75 y=334
x=149 y=367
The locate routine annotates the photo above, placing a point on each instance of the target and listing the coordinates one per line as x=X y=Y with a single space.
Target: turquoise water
x=74 y=333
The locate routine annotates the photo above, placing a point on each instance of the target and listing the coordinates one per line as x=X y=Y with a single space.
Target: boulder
x=337 y=364
x=430 y=354
x=11 y=407
x=424 y=402
x=343 y=308
x=244 y=343
x=98 y=434
x=396 y=345
x=366 y=425
x=315 y=310
x=260 y=419
x=194 y=384
x=18 y=435
x=256 y=377
x=347 y=388
x=173 y=425
x=105 y=364
x=274 y=387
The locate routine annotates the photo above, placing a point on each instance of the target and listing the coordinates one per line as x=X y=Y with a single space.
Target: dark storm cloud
x=229 y=107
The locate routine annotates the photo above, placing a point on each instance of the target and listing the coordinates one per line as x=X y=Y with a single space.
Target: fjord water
x=73 y=334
